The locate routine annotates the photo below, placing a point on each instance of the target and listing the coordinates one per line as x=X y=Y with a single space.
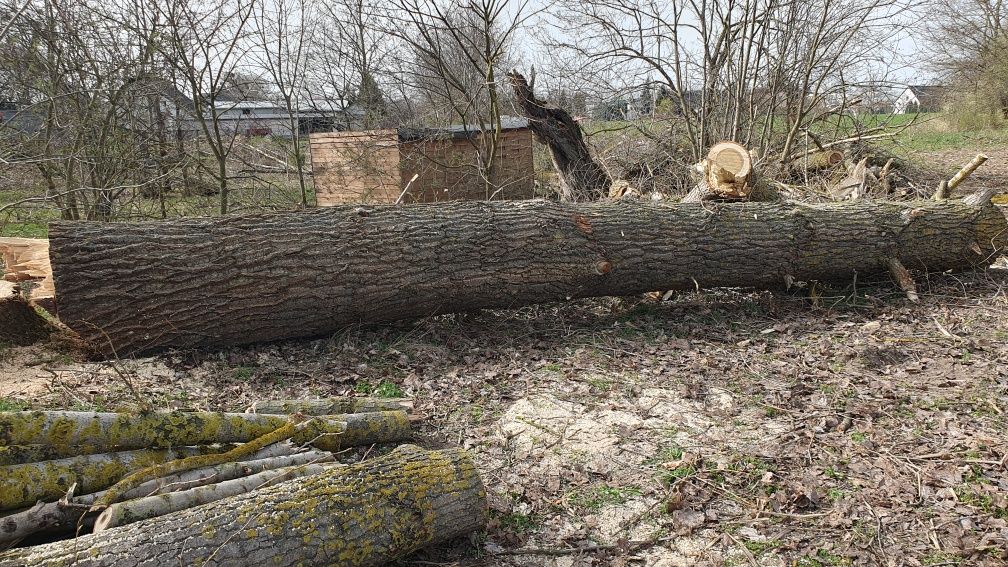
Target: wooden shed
x=376 y=166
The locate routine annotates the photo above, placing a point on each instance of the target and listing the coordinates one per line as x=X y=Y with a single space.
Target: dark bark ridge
x=129 y=288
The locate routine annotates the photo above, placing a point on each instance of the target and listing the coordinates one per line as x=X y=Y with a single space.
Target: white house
x=920 y=98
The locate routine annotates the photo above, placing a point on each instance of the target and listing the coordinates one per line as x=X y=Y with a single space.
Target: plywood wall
x=355 y=167
x=373 y=167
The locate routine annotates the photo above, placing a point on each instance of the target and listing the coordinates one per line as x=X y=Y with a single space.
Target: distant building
x=420 y=165
x=18 y=118
x=265 y=118
x=920 y=98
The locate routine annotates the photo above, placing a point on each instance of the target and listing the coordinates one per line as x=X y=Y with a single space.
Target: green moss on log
x=364 y=514
x=25 y=484
x=114 y=431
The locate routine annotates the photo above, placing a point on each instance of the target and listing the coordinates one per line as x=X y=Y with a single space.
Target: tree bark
x=363 y=514
x=581 y=177
x=330 y=406
x=64 y=515
x=138 y=509
x=24 y=485
x=185 y=283
x=113 y=431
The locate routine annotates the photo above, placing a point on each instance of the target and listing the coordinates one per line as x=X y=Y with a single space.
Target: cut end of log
x=729 y=167
x=22 y=324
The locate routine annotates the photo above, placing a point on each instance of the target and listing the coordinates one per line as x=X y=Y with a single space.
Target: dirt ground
x=718 y=428
x=832 y=427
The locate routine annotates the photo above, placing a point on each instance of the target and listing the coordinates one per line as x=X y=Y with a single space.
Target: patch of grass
x=13 y=404
x=518 y=523
x=941 y=558
x=243 y=372
x=384 y=389
x=758 y=548
x=970 y=496
x=835 y=474
x=858 y=437
x=27 y=229
x=597 y=497
x=388 y=389
x=600 y=383
x=669 y=454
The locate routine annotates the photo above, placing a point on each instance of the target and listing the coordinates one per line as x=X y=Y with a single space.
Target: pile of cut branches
x=262 y=487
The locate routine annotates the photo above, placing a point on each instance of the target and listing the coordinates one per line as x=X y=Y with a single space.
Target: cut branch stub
x=728 y=169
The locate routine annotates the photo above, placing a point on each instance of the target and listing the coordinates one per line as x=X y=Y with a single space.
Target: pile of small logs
x=264 y=486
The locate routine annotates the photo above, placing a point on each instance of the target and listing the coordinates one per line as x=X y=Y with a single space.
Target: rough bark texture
x=19 y=454
x=581 y=177
x=112 y=431
x=24 y=485
x=63 y=516
x=139 y=509
x=178 y=466
x=198 y=282
x=363 y=514
x=330 y=406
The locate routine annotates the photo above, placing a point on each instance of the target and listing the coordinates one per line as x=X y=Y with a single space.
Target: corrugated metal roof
x=458 y=131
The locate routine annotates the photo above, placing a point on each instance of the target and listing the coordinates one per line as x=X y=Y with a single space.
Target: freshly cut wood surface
x=27 y=259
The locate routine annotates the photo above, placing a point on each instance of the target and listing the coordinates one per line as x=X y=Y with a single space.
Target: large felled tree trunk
x=363 y=514
x=216 y=282
x=581 y=177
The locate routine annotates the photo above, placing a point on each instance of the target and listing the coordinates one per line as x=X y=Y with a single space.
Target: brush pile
x=268 y=486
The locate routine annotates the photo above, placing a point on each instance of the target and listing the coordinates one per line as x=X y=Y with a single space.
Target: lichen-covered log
x=330 y=406
x=363 y=514
x=197 y=282
x=63 y=516
x=243 y=451
x=18 y=454
x=23 y=485
x=139 y=509
x=112 y=431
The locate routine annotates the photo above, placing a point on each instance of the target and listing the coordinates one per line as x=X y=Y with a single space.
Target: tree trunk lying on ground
x=23 y=485
x=63 y=516
x=21 y=454
x=138 y=509
x=362 y=514
x=112 y=431
x=130 y=288
x=330 y=406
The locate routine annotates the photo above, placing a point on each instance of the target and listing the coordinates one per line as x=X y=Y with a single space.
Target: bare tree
x=461 y=52
x=766 y=73
x=969 y=43
x=207 y=44
x=348 y=61
x=76 y=73
x=285 y=31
